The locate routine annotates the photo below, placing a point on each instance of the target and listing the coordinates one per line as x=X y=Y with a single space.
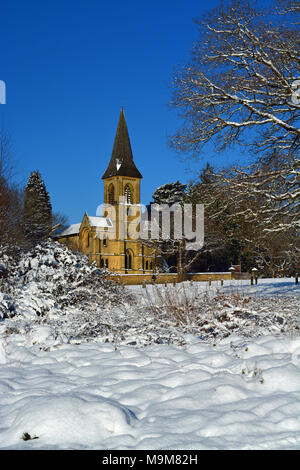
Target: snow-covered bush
x=180 y=302
x=51 y=296
x=69 y=276
x=7 y=308
x=50 y=276
x=216 y=314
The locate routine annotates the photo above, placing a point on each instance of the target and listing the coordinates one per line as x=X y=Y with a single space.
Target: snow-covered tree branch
x=242 y=77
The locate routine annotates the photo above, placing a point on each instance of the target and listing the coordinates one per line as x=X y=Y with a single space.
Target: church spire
x=121 y=161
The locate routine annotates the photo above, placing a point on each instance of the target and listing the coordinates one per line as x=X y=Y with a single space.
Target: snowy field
x=122 y=373
x=264 y=287
x=236 y=394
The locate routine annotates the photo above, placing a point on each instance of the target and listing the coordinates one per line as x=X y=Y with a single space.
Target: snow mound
x=68 y=420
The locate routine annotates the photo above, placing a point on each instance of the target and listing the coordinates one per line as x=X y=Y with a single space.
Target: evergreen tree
x=37 y=215
x=170 y=193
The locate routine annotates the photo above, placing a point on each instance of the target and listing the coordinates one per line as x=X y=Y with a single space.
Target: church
x=106 y=239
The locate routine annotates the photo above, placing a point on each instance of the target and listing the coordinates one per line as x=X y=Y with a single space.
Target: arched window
x=104 y=240
x=85 y=239
x=128 y=194
x=111 y=194
x=102 y=263
x=106 y=263
x=146 y=264
x=128 y=260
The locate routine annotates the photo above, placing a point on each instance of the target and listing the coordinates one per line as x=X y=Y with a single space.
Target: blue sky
x=69 y=66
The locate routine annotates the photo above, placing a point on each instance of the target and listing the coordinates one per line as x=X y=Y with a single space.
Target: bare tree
x=275 y=190
x=259 y=207
x=11 y=198
x=7 y=169
x=241 y=84
x=59 y=221
x=242 y=88
x=170 y=232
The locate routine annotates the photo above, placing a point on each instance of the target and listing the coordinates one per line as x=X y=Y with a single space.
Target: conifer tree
x=170 y=193
x=37 y=215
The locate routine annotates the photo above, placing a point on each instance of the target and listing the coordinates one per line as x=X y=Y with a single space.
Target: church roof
x=71 y=230
x=74 y=229
x=99 y=221
x=121 y=162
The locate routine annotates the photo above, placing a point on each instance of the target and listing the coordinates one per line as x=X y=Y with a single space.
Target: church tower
x=112 y=240
x=122 y=178
x=122 y=201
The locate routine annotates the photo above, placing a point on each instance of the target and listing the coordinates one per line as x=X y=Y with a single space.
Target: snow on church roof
x=99 y=222
x=71 y=230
